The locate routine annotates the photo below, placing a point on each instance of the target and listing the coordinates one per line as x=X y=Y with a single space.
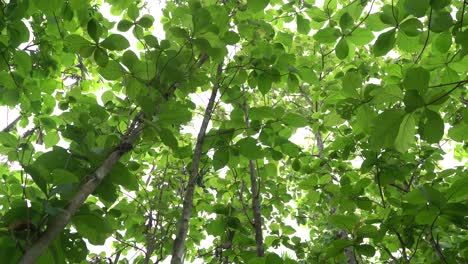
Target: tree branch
x=178 y=250
x=254 y=189
x=93 y=180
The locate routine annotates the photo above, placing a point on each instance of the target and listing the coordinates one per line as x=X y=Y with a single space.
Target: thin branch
x=12 y=124
x=395 y=260
x=255 y=190
x=427 y=38
x=446 y=93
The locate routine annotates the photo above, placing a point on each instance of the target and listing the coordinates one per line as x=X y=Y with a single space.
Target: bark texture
x=93 y=180
x=256 y=206
x=178 y=250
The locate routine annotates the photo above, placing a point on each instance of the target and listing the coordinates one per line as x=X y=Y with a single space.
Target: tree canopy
x=234 y=131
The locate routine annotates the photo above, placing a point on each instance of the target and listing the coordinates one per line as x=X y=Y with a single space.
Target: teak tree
x=253 y=131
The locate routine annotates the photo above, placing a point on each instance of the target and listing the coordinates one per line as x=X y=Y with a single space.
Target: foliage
x=380 y=84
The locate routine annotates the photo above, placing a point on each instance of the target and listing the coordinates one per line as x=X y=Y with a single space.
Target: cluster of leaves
x=378 y=83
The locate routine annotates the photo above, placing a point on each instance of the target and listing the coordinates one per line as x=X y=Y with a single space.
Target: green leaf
x=75 y=43
x=384 y=43
x=115 y=42
x=327 y=35
x=61 y=176
x=443 y=42
x=413 y=101
x=93 y=227
x=216 y=227
x=417 y=8
x=342 y=49
x=295 y=120
x=133 y=12
x=94 y=30
x=48 y=6
x=346 y=222
x=257 y=5
x=351 y=82
x=51 y=139
x=458 y=132
x=264 y=83
x=146 y=21
x=122 y=176
x=361 y=36
x=366 y=250
x=346 y=21
x=174 y=113
x=101 y=58
x=412 y=27
x=167 y=137
x=8 y=140
x=416 y=79
x=124 y=25
x=303 y=24
x=220 y=158
x=364 y=119
x=23 y=62
x=112 y=71
x=386 y=128
x=406 y=133
x=439 y=4
x=441 y=21
x=431 y=127
x=249 y=149
x=230 y=38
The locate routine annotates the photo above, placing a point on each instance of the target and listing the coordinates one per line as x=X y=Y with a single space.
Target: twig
x=427 y=37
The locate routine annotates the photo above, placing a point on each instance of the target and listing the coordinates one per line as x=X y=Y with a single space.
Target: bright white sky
x=302 y=136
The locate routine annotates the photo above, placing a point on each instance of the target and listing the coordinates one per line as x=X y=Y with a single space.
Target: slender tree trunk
x=256 y=207
x=93 y=180
x=178 y=250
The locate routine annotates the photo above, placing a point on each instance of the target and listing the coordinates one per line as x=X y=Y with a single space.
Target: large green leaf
x=257 y=5
x=327 y=35
x=115 y=42
x=384 y=43
x=416 y=78
x=431 y=127
x=417 y=8
x=406 y=133
x=248 y=148
x=386 y=128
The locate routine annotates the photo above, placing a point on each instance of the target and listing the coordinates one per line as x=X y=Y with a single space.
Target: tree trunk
x=256 y=207
x=178 y=250
x=93 y=180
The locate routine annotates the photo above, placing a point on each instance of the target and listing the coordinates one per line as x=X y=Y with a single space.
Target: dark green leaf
x=115 y=42
x=124 y=25
x=248 y=148
x=431 y=127
x=257 y=5
x=416 y=78
x=417 y=8
x=406 y=133
x=342 y=49
x=327 y=35
x=385 y=128
x=303 y=24
x=384 y=43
